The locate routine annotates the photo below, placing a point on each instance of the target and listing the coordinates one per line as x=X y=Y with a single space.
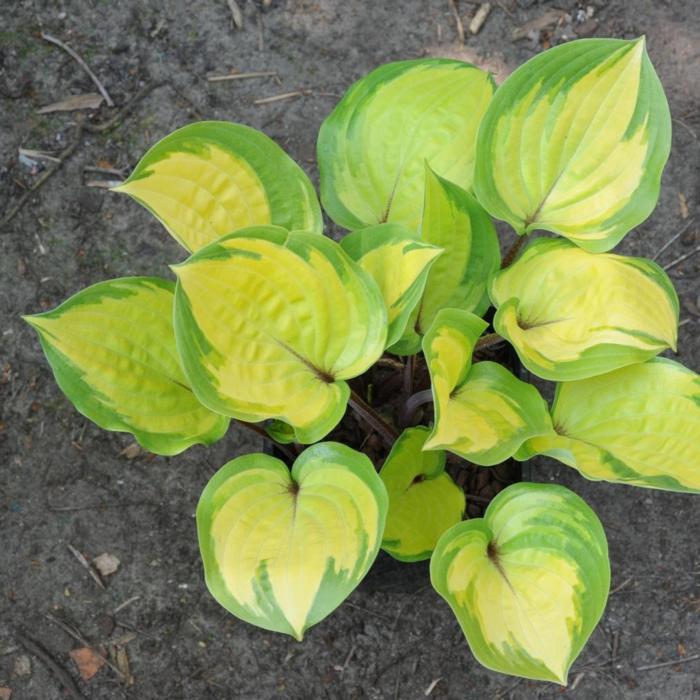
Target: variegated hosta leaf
x=280 y=431
x=455 y=221
x=638 y=425
x=482 y=412
x=398 y=263
x=282 y=550
x=528 y=582
x=572 y=314
x=211 y=178
x=112 y=351
x=373 y=146
x=423 y=499
x=575 y=141
x=269 y=324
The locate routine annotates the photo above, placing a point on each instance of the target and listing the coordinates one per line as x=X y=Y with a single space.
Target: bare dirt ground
x=63 y=481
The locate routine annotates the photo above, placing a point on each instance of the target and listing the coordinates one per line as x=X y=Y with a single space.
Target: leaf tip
x=121 y=187
x=563 y=677
x=32 y=320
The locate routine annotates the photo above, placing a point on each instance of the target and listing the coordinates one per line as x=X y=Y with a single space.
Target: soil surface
x=66 y=482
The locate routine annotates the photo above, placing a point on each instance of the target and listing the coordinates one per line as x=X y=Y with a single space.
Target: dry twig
x=431 y=687
x=86 y=565
x=686 y=127
x=663 y=664
x=38 y=155
x=236 y=14
x=278 y=98
x=672 y=240
x=341 y=668
x=158 y=28
x=124 y=111
x=480 y=17
x=105 y=171
x=81 y=63
x=126 y=603
x=682 y=258
x=73 y=103
x=371 y=418
x=624 y=584
x=261 y=36
x=458 y=20
x=241 y=76
x=104 y=184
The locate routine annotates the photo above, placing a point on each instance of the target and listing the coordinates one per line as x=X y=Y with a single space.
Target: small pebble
x=23 y=666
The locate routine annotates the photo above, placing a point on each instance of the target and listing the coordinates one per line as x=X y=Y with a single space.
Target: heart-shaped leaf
x=212 y=178
x=457 y=223
x=575 y=141
x=373 y=146
x=282 y=550
x=398 y=263
x=528 y=582
x=638 y=425
x=572 y=314
x=482 y=412
x=269 y=324
x=423 y=499
x=112 y=351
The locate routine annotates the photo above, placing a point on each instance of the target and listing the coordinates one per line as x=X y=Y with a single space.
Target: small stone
x=22 y=667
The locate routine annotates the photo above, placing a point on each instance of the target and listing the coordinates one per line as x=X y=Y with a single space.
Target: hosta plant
x=271 y=324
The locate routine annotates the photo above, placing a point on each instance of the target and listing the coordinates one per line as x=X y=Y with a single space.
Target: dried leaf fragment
x=131 y=451
x=106 y=564
x=236 y=13
x=5 y=693
x=91 y=100
x=122 y=661
x=88 y=661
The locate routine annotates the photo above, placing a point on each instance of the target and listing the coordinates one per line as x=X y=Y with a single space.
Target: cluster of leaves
x=269 y=319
